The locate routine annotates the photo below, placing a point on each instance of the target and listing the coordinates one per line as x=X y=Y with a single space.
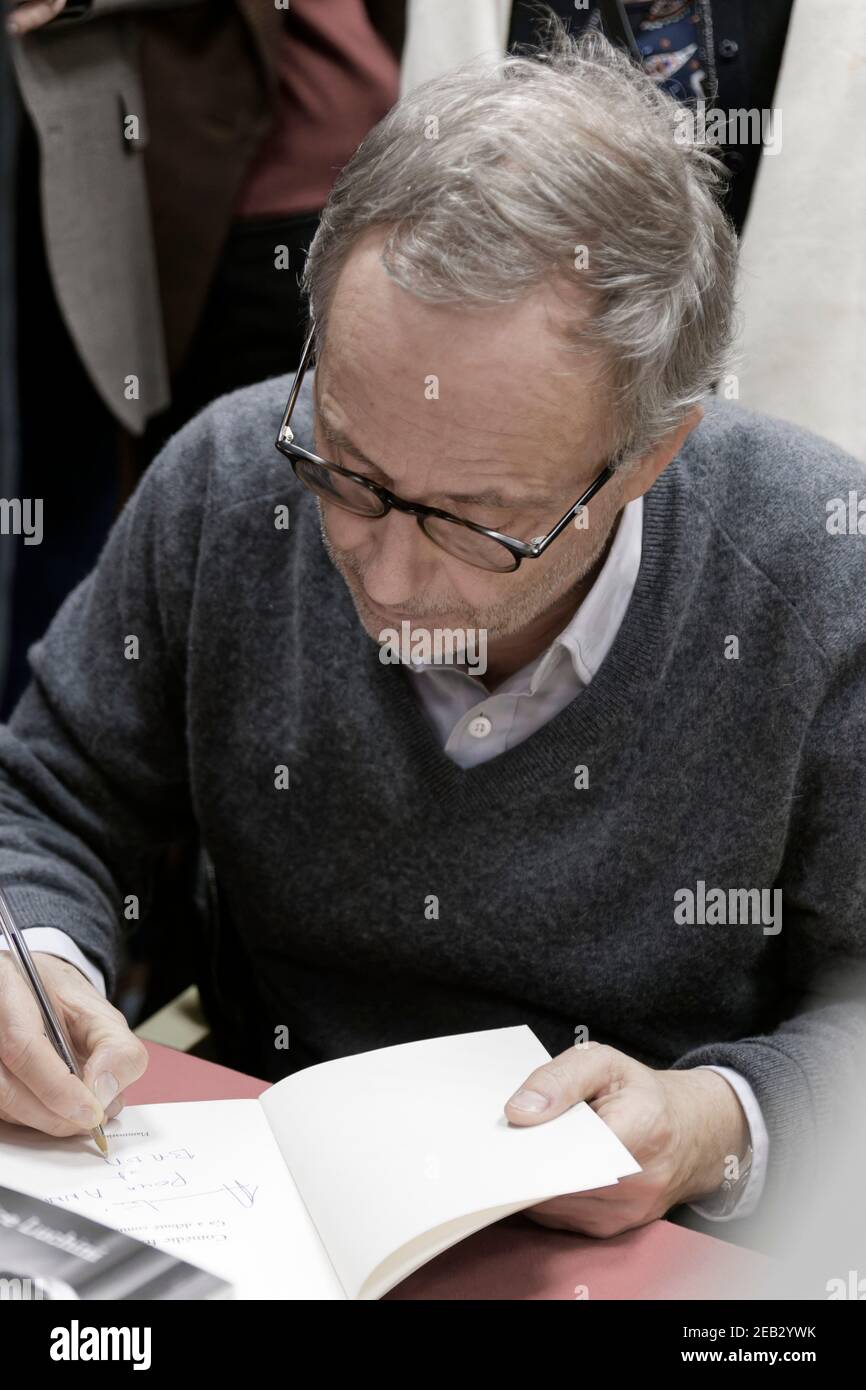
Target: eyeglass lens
x=459 y=541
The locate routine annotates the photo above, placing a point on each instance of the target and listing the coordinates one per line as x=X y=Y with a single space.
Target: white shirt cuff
x=760 y=1141
x=57 y=943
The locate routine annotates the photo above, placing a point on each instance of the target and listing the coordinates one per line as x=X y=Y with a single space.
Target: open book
x=338 y=1181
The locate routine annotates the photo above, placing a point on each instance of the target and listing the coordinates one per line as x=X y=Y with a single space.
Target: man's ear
x=641 y=476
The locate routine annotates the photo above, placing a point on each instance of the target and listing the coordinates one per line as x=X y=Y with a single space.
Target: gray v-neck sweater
x=386 y=894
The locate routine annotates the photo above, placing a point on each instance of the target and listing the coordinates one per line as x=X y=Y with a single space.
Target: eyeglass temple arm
x=286 y=435
x=597 y=483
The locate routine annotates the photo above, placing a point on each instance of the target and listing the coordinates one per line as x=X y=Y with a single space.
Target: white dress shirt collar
x=590 y=633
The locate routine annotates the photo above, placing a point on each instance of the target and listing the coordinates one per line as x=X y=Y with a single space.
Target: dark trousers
x=252 y=326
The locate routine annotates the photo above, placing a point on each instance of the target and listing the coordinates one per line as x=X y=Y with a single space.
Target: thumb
x=575 y=1075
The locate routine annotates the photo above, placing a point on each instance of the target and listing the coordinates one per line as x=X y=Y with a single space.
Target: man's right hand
x=36 y=1087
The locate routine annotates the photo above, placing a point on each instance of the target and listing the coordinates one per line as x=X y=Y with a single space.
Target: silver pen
x=53 y=1027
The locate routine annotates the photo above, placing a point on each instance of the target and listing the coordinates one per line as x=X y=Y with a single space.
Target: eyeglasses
x=476 y=545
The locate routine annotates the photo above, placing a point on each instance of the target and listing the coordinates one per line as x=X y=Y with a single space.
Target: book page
x=402 y=1152
x=200 y=1179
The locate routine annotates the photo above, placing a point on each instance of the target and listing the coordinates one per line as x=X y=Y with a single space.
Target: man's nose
x=399 y=561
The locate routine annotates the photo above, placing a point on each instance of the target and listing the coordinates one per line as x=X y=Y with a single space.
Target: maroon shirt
x=337 y=78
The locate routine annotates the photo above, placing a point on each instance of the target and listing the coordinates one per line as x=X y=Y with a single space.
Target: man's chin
x=375 y=621
x=377 y=624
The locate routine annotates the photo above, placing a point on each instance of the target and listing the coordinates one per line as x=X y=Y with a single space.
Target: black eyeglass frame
x=519 y=550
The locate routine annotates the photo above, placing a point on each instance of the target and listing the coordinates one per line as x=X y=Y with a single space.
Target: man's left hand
x=680 y=1126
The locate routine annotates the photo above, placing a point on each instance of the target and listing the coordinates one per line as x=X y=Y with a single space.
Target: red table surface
x=514 y=1258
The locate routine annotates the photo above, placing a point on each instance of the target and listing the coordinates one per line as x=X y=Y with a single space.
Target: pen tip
x=101 y=1140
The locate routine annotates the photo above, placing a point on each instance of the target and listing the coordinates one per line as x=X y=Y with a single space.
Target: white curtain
x=802 y=273
x=443 y=34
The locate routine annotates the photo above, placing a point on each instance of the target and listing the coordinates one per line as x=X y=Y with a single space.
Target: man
x=643 y=833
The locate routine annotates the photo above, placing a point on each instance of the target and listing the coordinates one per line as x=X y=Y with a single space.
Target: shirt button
x=728 y=49
x=480 y=726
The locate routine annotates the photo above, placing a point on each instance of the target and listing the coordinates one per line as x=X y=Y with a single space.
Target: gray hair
x=531 y=158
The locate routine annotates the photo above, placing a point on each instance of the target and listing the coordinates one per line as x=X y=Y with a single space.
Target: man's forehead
x=479 y=434
x=450 y=402
x=487 y=377
x=367 y=300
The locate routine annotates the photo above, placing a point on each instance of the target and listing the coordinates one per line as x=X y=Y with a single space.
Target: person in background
x=146 y=230
x=335 y=73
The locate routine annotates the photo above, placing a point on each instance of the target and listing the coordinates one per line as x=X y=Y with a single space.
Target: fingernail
x=86 y=1115
x=106 y=1088
x=529 y=1100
